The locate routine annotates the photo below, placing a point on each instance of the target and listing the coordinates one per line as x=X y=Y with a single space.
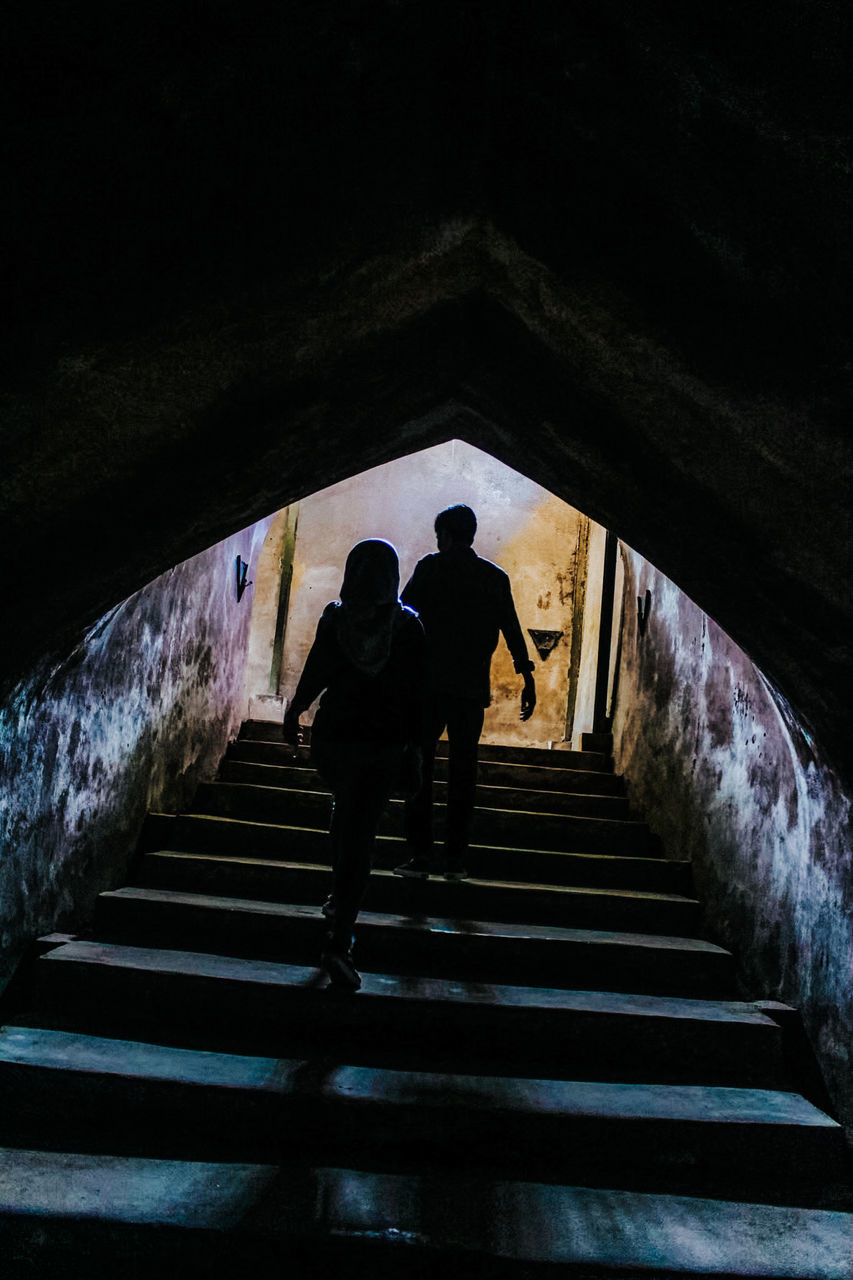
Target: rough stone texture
x=133 y=718
x=726 y=775
x=274 y=562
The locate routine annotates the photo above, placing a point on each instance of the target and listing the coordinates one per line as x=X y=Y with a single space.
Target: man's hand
x=528 y=697
x=290 y=729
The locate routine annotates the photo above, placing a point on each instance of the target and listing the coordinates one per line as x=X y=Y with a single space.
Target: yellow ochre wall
x=523 y=528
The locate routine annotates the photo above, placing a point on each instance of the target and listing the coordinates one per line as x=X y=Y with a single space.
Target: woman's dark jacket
x=382 y=708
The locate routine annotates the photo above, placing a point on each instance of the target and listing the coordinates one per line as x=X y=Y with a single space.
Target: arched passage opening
x=552 y=552
x=143 y=707
x=469 y=339
x=482 y=346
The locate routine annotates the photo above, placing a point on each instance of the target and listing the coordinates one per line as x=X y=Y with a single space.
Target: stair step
x=267 y=731
x=552 y=759
x=555 y=832
x=224 y=1219
x=541 y=1074
x=430 y=1022
x=473 y=950
x=150 y=1099
x=489 y=795
x=210 y=833
x=493 y=772
x=264 y=879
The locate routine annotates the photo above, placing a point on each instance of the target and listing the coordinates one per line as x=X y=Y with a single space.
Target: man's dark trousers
x=463 y=720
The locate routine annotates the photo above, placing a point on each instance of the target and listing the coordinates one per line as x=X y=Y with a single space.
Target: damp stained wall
x=523 y=528
x=591 y=629
x=132 y=719
x=725 y=775
x=275 y=558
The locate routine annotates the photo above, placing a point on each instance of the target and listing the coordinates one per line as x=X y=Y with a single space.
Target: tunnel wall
x=131 y=720
x=717 y=763
x=263 y=662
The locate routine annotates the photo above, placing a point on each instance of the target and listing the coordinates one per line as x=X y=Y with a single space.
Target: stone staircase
x=547 y=1071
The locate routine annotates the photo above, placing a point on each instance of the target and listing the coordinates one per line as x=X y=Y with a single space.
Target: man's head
x=455 y=527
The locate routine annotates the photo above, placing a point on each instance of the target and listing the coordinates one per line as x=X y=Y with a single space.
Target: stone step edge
x=273 y=728
x=481 y=785
x=477 y=884
x=491 y=810
x=670 y=944
x=382 y=838
x=700 y=1105
x=539 y=756
x=434 y=991
x=239 y=752
x=528 y=1222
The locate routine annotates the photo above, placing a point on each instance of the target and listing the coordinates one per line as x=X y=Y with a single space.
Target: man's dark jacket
x=464 y=603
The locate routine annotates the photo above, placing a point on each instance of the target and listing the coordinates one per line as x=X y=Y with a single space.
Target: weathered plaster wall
x=726 y=776
x=585 y=702
x=275 y=557
x=133 y=718
x=521 y=527
x=615 y=632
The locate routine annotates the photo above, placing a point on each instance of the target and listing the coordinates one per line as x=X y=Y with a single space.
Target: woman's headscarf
x=369 y=610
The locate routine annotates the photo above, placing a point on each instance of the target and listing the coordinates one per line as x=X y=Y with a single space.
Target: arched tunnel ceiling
x=258 y=247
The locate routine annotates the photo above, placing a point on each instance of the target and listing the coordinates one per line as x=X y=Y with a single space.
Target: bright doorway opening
x=553 y=553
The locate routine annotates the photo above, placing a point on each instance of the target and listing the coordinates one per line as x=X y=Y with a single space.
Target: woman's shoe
x=338 y=964
x=415 y=869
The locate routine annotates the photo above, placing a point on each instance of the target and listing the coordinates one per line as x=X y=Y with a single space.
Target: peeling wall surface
x=585 y=701
x=726 y=776
x=523 y=528
x=262 y=679
x=132 y=719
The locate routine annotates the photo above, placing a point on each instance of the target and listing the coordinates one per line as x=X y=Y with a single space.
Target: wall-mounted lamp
x=242 y=569
x=544 y=641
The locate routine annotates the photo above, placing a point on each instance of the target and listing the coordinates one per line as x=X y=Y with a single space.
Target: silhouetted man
x=464 y=602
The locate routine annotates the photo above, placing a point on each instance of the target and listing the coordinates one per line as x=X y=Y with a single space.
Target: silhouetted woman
x=368 y=656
